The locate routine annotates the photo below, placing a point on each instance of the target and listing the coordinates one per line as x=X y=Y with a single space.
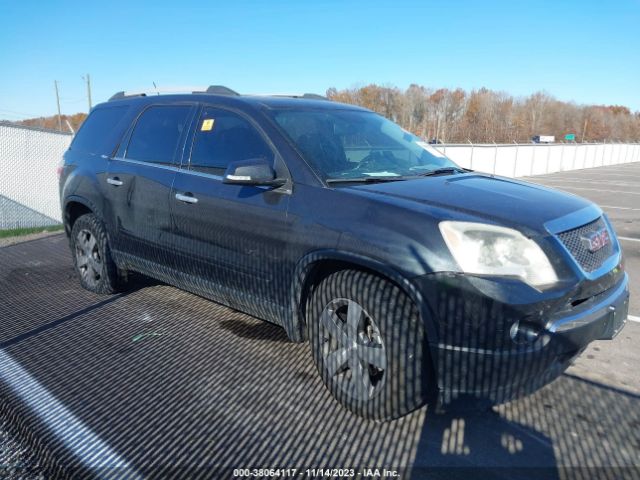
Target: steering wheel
x=377 y=159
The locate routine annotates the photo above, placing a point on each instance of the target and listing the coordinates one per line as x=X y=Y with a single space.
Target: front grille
x=576 y=242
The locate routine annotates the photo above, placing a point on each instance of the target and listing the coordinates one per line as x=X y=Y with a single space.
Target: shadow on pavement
x=158 y=382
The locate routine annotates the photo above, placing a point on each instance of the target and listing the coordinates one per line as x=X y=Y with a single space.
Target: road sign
x=570 y=137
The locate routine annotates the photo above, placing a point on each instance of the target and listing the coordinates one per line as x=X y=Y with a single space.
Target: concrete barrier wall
x=520 y=160
x=29 y=157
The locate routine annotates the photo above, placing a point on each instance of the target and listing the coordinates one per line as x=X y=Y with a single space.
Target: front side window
x=223 y=137
x=344 y=144
x=157 y=133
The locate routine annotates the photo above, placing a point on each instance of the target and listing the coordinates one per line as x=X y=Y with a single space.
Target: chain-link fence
x=29 y=157
x=28 y=181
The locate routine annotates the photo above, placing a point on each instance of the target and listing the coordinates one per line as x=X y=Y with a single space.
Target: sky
x=585 y=51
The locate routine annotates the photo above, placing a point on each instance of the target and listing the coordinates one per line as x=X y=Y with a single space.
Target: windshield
x=349 y=144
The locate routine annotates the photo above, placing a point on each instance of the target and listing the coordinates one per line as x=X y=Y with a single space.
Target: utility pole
x=89 y=90
x=55 y=83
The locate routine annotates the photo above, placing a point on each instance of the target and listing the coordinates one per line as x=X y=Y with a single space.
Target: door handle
x=115 y=181
x=187 y=198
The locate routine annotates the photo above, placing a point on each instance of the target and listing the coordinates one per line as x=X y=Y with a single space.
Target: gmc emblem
x=596 y=240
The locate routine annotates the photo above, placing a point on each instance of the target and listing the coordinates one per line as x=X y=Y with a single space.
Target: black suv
x=409 y=275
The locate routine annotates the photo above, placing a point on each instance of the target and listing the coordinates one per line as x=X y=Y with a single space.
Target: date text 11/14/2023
x=316 y=472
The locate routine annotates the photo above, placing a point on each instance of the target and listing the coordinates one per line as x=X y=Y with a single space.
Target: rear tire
x=369 y=345
x=92 y=257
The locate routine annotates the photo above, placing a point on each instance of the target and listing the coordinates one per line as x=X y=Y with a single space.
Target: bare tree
x=484 y=115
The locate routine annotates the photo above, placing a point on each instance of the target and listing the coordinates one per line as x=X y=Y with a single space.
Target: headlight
x=491 y=250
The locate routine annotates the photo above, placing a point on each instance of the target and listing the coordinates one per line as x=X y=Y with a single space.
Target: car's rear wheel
x=369 y=345
x=92 y=256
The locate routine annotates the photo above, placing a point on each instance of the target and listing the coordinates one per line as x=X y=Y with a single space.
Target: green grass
x=17 y=232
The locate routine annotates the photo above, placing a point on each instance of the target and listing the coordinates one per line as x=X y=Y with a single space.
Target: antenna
x=154 y=86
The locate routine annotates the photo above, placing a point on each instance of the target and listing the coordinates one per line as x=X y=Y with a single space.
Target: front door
x=232 y=236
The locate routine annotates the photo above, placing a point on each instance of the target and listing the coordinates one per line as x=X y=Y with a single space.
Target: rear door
x=231 y=238
x=139 y=181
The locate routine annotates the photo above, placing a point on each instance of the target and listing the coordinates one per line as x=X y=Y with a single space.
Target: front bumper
x=601 y=321
x=481 y=358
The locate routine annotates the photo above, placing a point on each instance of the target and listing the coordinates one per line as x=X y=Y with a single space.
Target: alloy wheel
x=352 y=349
x=88 y=259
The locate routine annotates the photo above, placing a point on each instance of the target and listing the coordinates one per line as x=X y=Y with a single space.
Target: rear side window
x=95 y=134
x=157 y=133
x=223 y=137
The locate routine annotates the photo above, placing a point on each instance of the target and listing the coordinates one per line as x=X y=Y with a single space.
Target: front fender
x=295 y=323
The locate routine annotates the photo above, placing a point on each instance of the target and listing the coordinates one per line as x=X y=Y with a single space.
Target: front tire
x=369 y=345
x=92 y=257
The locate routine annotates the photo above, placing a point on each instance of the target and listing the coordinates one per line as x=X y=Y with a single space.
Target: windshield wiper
x=365 y=179
x=442 y=171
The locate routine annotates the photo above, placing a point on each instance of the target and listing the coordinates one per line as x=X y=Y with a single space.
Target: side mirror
x=255 y=171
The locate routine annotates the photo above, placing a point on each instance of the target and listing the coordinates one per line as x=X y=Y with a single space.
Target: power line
x=23 y=114
x=77 y=100
x=72 y=99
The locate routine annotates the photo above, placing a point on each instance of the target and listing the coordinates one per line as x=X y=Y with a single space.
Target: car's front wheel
x=369 y=345
x=92 y=257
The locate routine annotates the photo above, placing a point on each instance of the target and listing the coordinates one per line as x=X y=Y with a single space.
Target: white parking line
x=606 y=170
x=571 y=187
x=620 y=208
x=594 y=174
x=597 y=182
x=60 y=420
x=633 y=318
x=629 y=239
x=622 y=165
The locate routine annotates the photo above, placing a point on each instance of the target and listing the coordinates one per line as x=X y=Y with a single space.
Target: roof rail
x=123 y=94
x=314 y=96
x=221 y=90
x=309 y=96
x=212 y=89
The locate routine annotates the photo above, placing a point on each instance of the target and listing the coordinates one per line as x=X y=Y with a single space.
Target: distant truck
x=543 y=139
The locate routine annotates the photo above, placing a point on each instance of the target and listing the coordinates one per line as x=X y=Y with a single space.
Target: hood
x=500 y=200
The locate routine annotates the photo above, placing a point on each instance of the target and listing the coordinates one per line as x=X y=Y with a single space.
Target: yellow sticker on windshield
x=207 y=125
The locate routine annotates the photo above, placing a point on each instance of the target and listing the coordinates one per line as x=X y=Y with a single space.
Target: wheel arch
x=74 y=207
x=316 y=265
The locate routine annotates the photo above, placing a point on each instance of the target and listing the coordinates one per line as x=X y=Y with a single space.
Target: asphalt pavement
x=157 y=382
x=616 y=189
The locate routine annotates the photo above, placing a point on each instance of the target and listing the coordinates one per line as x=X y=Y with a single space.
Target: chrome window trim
x=180 y=170
x=221 y=178
x=149 y=164
x=202 y=174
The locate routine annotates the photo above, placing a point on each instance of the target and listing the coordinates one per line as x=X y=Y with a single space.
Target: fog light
x=524 y=332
